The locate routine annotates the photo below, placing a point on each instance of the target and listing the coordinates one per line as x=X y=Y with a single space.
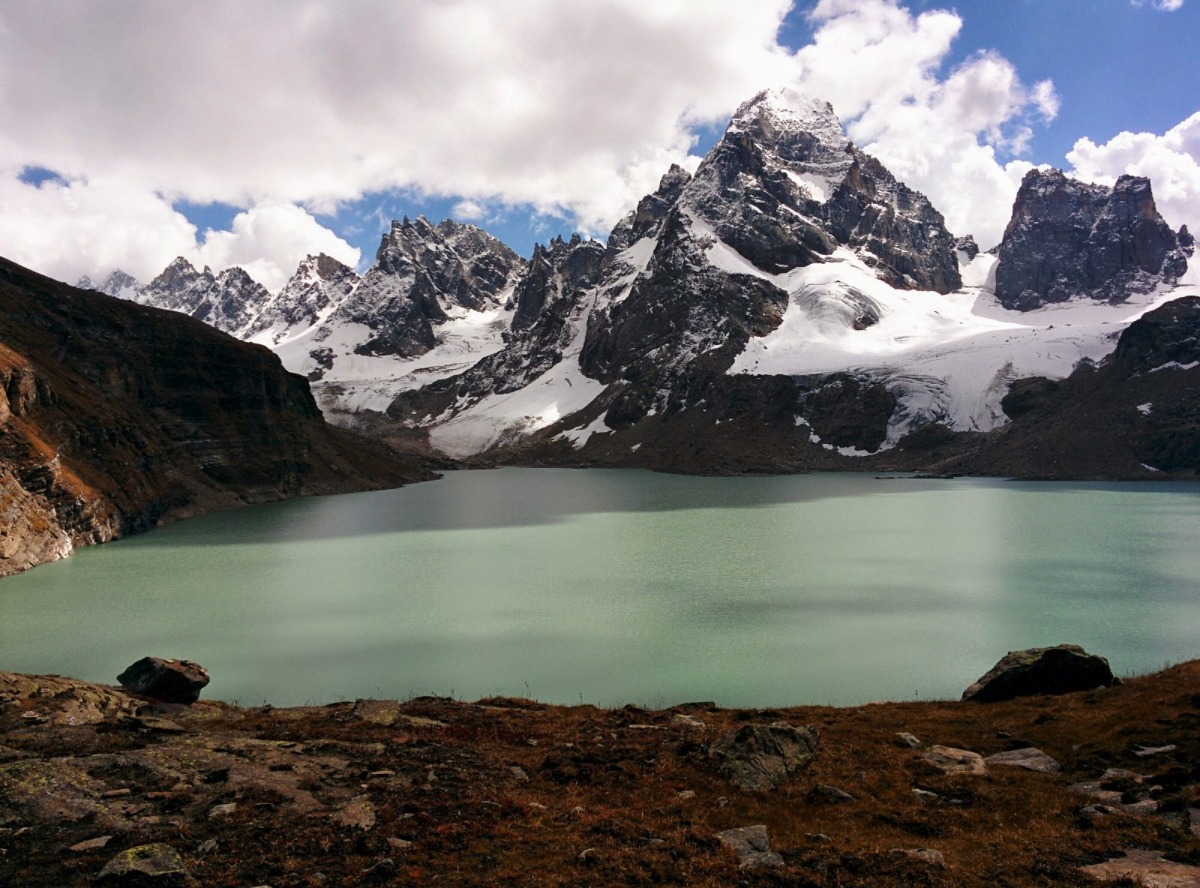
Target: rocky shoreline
x=100 y=786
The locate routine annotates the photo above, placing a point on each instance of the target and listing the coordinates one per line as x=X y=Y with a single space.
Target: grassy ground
x=601 y=797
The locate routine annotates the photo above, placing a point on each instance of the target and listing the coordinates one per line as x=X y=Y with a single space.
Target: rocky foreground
x=101 y=787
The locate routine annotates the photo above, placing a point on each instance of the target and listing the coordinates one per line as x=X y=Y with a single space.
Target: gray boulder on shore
x=1062 y=669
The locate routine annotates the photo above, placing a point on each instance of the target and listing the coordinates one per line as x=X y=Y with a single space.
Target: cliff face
x=1068 y=239
x=115 y=417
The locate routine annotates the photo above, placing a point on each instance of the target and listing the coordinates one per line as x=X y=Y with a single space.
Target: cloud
x=66 y=229
x=1161 y=5
x=275 y=104
x=269 y=241
x=1172 y=161
x=945 y=136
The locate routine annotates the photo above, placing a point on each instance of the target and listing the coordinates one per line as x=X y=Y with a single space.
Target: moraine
x=622 y=586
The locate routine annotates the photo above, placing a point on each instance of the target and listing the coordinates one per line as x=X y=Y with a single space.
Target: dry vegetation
x=428 y=793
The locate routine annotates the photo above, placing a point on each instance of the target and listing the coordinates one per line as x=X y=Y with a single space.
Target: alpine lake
x=610 y=587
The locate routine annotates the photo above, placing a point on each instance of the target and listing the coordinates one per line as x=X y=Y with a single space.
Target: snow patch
x=1145 y=409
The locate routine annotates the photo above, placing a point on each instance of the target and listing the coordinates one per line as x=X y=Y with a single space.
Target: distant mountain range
x=791 y=305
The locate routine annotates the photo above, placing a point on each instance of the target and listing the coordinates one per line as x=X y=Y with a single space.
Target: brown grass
x=602 y=804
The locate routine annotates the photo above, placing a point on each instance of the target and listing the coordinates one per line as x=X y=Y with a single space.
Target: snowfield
x=948 y=358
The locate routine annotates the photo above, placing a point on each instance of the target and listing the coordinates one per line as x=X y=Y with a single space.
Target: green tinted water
x=616 y=586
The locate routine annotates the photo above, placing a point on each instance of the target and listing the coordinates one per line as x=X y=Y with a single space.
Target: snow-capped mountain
x=118 y=283
x=318 y=287
x=228 y=301
x=790 y=305
x=437 y=299
x=792 y=293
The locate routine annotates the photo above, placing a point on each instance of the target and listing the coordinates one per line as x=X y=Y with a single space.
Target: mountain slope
x=115 y=417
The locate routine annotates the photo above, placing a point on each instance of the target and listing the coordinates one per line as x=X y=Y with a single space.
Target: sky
x=255 y=133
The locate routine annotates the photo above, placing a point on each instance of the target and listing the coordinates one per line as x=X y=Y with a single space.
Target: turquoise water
x=621 y=586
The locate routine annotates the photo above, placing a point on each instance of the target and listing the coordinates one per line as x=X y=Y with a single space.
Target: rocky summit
x=1069 y=239
x=98 y=786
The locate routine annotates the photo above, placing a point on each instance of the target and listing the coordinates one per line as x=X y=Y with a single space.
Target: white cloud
x=269 y=241
x=576 y=113
x=66 y=229
x=1172 y=161
x=940 y=136
x=1161 y=5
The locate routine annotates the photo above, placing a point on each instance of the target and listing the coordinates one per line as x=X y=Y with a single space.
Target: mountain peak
x=778 y=116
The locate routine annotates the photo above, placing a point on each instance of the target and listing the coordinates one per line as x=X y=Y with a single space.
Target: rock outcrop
x=1068 y=239
x=115 y=417
x=1062 y=669
x=171 y=681
x=760 y=757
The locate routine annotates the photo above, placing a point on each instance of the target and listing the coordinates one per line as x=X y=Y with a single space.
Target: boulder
x=171 y=681
x=752 y=846
x=949 y=760
x=155 y=864
x=1049 y=670
x=762 y=756
x=1029 y=758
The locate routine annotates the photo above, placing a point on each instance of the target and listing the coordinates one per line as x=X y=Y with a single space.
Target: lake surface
x=609 y=587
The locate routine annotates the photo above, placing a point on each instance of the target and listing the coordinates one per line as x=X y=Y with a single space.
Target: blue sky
x=253 y=134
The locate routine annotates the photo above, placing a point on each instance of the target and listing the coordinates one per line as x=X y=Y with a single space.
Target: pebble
x=685 y=795
x=116 y=793
x=907 y=740
x=222 y=810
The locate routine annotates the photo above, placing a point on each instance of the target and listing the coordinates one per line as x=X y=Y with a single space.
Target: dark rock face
x=115 y=417
x=228 y=301
x=761 y=757
x=1053 y=670
x=421 y=272
x=1067 y=239
x=785 y=187
x=550 y=312
x=171 y=681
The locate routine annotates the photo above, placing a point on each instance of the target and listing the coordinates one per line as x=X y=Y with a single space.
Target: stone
x=949 y=760
x=90 y=845
x=1062 y=669
x=823 y=793
x=925 y=795
x=1030 y=759
x=155 y=864
x=358 y=813
x=399 y=844
x=171 y=681
x=907 y=740
x=760 y=757
x=1146 y=868
x=680 y=720
x=925 y=855
x=685 y=795
x=752 y=846
x=519 y=774
x=222 y=810
x=1148 y=751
